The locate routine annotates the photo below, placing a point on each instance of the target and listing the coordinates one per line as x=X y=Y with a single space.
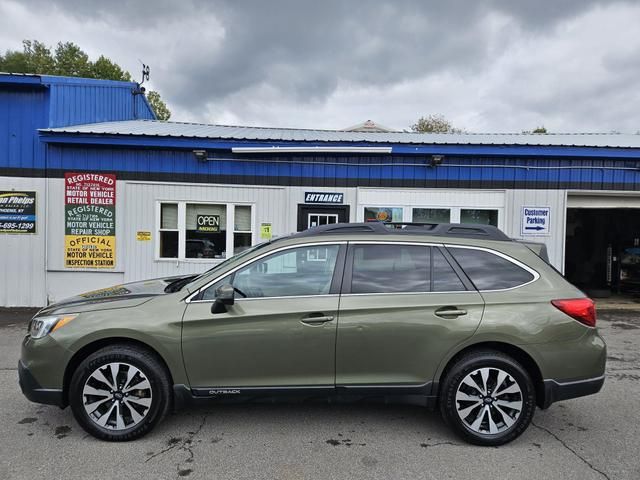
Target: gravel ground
x=589 y=438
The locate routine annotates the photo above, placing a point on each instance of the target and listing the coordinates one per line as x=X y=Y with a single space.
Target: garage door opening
x=602 y=253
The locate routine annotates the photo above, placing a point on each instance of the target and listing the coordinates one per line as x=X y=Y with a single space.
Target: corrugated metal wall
x=77 y=103
x=138 y=211
x=22 y=256
x=22 y=111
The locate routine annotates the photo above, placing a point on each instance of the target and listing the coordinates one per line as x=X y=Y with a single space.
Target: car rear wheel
x=487 y=398
x=120 y=393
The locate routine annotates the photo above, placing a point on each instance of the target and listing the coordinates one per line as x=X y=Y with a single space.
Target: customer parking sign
x=535 y=220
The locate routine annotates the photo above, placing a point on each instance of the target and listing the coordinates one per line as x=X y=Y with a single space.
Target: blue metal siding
x=74 y=104
x=22 y=111
x=484 y=172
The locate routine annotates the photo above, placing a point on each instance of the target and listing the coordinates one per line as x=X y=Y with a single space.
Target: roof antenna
x=145 y=74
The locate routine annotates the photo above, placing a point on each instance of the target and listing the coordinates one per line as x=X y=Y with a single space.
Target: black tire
x=148 y=364
x=492 y=360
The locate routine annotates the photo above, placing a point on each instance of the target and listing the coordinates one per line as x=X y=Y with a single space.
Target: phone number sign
x=90 y=220
x=17 y=212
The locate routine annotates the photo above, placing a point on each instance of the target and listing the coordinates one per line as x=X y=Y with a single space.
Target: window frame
x=455 y=211
x=182 y=229
x=159 y=229
x=504 y=256
x=336 y=281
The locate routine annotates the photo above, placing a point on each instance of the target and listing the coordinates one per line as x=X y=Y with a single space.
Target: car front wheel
x=487 y=398
x=119 y=393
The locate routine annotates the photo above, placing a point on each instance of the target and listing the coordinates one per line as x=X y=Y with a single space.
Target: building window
x=189 y=230
x=206 y=227
x=382 y=214
x=242 y=228
x=168 y=230
x=485 y=217
x=431 y=215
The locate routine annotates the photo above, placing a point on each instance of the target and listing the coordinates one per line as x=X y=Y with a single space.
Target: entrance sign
x=90 y=220
x=323 y=197
x=17 y=212
x=535 y=220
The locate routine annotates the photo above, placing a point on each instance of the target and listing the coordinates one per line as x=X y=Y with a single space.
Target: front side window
x=388 y=268
x=488 y=271
x=297 y=271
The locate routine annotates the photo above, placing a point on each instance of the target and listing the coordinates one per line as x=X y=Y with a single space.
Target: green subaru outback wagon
x=455 y=317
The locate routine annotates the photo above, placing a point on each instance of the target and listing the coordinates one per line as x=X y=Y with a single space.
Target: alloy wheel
x=489 y=401
x=117 y=396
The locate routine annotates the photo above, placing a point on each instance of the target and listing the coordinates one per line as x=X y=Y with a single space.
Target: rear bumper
x=34 y=392
x=555 y=391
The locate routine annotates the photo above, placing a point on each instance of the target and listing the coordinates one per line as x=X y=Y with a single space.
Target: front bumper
x=34 y=392
x=555 y=391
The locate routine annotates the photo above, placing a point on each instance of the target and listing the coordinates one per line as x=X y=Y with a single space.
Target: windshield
x=222 y=264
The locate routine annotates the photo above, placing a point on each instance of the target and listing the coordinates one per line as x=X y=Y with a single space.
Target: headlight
x=41 y=326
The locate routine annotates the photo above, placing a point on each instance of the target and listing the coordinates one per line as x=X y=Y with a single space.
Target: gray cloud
x=487 y=65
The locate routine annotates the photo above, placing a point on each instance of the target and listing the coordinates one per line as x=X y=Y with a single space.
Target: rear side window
x=444 y=278
x=488 y=271
x=390 y=269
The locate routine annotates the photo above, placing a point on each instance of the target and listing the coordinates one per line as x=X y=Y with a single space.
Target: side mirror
x=225 y=295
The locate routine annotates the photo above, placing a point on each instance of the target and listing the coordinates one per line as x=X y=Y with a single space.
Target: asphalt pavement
x=589 y=438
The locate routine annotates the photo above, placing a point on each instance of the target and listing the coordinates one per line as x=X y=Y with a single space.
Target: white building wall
x=22 y=256
x=139 y=214
x=556 y=200
x=32 y=269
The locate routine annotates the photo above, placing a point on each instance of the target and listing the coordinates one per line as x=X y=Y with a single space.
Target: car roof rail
x=466 y=230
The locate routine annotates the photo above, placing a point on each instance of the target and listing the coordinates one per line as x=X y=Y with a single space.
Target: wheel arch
x=515 y=352
x=96 y=345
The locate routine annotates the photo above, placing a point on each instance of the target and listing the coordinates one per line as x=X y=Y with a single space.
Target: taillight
x=582 y=309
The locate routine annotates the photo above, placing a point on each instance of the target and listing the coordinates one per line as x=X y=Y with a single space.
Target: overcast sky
x=487 y=65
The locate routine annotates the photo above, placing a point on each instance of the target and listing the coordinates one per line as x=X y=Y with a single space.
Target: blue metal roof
x=154 y=128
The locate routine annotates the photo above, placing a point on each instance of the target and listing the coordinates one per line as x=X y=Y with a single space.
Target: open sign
x=208 y=223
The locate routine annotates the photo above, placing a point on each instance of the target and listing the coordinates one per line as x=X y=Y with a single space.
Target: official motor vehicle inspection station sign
x=90 y=220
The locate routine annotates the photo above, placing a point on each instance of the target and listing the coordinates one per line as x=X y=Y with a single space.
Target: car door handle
x=316 y=320
x=446 y=312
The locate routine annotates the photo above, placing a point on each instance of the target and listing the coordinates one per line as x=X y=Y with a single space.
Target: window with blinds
x=203 y=230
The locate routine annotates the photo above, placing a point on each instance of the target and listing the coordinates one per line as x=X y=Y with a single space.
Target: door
x=315 y=215
x=281 y=330
x=403 y=308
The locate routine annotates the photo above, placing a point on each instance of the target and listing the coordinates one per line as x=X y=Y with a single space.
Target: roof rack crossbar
x=488 y=232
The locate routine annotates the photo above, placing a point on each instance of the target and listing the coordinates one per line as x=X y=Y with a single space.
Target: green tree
x=158 y=106
x=106 y=69
x=540 y=129
x=70 y=60
x=435 y=123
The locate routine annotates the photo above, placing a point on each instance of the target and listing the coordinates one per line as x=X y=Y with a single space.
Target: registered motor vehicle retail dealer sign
x=90 y=220
x=535 y=220
x=17 y=212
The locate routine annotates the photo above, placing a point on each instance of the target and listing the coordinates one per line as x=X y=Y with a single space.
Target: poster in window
x=90 y=220
x=17 y=212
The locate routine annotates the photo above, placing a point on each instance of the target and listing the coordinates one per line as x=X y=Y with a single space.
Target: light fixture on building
x=312 y=149
x=201 y=155
x=436 y=160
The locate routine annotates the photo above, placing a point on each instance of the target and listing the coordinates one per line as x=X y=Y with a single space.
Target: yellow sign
x=265 y=231
x=143 y=236
x=89 y=251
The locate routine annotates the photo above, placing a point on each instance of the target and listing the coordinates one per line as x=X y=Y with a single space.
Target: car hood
x=119 y=296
